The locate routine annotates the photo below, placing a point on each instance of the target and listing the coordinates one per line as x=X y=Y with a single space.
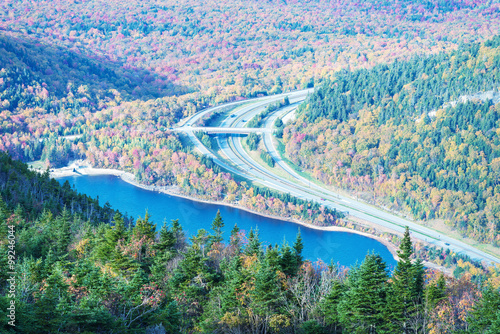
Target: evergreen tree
x=329 y=307
x=139 y=279
x=227 y=299
x=235 y=240
x=107 y=242
x=193 y=276
x=217 y=226
x=298 y=246
x=166 y=240
x=179 y=235
x=436 y=292
x=46 y=317
x=144 y=227
x=253 y=246
x=485 y=316
x=266 y=296
x=62 y=232
x=273 y=257
x=407 y=288
x=164 y=252
x=363 y=308
x=287 y=260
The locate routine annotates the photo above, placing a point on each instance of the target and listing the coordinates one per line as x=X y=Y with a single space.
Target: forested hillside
x=243 y=48
x=69 y=67
x=103 y=81
x=87 y=274
x=29 y=194
x=410 y=136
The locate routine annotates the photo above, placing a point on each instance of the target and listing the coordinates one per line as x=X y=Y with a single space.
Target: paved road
x=222 y=130
x=237 y=161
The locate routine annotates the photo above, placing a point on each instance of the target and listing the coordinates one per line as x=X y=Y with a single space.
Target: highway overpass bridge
x=216 y=130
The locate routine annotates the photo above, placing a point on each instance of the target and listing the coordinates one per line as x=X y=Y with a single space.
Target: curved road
x=239 y=162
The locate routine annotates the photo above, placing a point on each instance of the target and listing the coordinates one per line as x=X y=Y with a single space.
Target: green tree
x=287 y=260
x=407 y=287
x=266 y=297
x=62 y=232
x=328 y=307
x=273 y=257
x=217 y=226
x=363 y=308
x=235 y=240
x=253 y=141
x=298 y=246
x=253 y=246
x=436 y=292
x=144 y=227
x=46 y=315
x=485 y=316
x=107 y=242
x=278 y=123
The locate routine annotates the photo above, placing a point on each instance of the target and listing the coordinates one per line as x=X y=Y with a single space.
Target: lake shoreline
x=83 y=169
x=78 y=169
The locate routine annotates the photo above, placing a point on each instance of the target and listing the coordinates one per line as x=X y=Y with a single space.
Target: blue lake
x=340 y=247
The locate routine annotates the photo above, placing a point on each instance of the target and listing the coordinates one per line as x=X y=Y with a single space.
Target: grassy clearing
x=216 y=150
x=38 y=164
x=185 y=141
x=255 y=155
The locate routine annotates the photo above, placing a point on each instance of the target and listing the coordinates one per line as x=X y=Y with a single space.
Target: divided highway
x=237 y=161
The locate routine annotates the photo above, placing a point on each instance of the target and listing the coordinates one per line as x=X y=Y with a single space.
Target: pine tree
x=407 y=288
x=48 y=318
x=363 y=308
x=266 y=295
x=329 y=306
x=164 y=251
x=272 y=257
x=144 y=227
x=287 y=260
x=485 y=316
x=235 y=239
x=166 y=243
x=118 y=231
x=217 y=226
x=139 y=279
x=253 y=246
x=180 y=237
x=298 y=246
x=62 y=232
x=436 y=292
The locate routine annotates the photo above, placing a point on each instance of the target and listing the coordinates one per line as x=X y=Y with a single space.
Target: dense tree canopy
x=102 y=273
x=419 y=136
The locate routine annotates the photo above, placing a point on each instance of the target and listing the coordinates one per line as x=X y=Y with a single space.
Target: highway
x=224 y=130
x=237 y=161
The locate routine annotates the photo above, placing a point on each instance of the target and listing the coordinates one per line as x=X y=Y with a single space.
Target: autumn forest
x=405 y=116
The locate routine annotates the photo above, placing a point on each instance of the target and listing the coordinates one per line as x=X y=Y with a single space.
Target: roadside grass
x=216 y=150
x=255 y=155
x=37 y=164
x=441 y=227
x=185 y=141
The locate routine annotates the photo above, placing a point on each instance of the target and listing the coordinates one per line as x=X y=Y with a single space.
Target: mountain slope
x=395 y=135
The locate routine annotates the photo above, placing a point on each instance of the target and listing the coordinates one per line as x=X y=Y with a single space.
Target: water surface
x=342 y=248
